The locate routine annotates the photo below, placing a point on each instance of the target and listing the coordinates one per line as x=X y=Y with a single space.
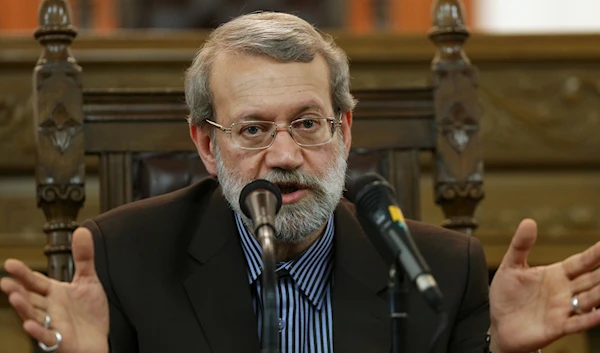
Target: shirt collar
x=311 y=271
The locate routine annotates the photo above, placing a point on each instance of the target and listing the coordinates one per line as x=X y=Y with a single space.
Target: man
x=269 y=98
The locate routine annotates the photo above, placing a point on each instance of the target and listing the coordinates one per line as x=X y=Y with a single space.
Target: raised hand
x=77 y=310
x=533 y=306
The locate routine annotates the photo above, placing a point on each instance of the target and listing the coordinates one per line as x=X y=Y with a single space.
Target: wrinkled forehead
x=251 y=84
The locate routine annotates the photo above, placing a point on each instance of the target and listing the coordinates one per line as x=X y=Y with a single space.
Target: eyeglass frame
x=336 y=123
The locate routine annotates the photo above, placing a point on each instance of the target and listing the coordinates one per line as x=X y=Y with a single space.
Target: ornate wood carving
x=58 y=114
x=458 y=165
x=458 y=127
x=60 y=128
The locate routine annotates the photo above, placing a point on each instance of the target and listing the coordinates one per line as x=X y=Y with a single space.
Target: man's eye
x=253 y=130
x=307 y=124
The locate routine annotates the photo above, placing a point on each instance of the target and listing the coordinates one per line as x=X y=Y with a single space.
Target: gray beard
x=296 y=221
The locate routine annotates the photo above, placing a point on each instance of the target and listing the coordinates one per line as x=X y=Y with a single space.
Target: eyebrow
x=308 y=107
x=249 y=116
x=311 y=106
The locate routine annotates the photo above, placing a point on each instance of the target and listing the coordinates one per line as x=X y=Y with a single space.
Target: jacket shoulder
x=144 y=221
x=158 y=208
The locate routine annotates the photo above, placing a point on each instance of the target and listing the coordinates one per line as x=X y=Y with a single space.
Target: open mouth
x=292 y=192
x=288 y=188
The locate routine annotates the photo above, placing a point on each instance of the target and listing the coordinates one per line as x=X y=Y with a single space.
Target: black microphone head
x=361 y=190
x=256 y=185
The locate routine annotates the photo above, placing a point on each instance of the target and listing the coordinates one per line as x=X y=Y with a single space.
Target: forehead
x=257 y=85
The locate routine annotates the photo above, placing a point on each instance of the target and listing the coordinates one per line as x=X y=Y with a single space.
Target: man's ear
x=347 y=131
x=205 y=146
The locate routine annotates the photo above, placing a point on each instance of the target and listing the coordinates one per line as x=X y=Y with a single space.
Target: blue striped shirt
x=303 y=292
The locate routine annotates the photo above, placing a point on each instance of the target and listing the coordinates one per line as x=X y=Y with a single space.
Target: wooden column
x=458 y=174
x=58 y=114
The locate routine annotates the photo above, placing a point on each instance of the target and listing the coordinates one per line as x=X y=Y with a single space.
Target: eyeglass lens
x=306 y=132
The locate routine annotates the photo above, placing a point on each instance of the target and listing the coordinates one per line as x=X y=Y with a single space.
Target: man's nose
x=284 y=153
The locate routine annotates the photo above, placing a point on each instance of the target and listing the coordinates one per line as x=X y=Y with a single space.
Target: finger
x=40 y=333
x=521 y=244
x=582 y=322
x=83 y=253
x=9 y=286
x=583 y=262
x=585 y=281
x=38 y=301
x=24 y=308
x=590 y=299
x=23 y=274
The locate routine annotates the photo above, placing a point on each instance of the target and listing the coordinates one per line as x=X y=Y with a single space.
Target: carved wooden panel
x=514 y=131
x=542 y=117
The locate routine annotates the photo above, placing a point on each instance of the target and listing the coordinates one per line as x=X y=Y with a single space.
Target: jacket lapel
x=361 y=321
x=218 y=284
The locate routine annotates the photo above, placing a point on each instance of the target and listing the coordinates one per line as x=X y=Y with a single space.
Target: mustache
x=295 y=176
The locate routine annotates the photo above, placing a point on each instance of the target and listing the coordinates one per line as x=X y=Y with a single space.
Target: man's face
x=311 y=178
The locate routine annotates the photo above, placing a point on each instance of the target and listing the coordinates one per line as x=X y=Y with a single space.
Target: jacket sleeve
x=122 y=336
x=469 y=331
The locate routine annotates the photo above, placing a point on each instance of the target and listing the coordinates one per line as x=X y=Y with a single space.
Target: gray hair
x=280 y=36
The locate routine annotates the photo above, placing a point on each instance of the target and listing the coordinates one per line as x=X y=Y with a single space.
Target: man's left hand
x=533 y=306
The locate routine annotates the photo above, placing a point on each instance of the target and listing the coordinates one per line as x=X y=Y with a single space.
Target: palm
x=78 y=310
x=531 y=307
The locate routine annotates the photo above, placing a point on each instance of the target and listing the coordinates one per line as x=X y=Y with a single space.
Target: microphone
x=260 y=201
x=379 y=212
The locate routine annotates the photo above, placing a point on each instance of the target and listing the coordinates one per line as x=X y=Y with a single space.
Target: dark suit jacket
x=175 y=276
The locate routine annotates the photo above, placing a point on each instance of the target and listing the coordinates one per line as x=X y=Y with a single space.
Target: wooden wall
x=540 y=100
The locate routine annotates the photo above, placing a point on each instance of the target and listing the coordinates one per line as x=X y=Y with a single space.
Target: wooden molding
x=538 y=94
x=380 y=47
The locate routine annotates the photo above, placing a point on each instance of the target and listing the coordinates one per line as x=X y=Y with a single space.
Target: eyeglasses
x=258 y=135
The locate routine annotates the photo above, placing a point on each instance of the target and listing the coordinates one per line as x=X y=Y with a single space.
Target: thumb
x=83 y=253
x=521 y=244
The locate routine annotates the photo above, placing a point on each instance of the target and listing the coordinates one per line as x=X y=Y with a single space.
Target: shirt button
x=281 y=324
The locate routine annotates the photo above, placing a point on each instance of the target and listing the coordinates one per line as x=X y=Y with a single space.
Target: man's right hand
x=78 y=310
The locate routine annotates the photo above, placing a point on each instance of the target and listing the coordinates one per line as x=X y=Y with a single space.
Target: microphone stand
x=261 y=200
x=398 y=292
x=270 y=320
